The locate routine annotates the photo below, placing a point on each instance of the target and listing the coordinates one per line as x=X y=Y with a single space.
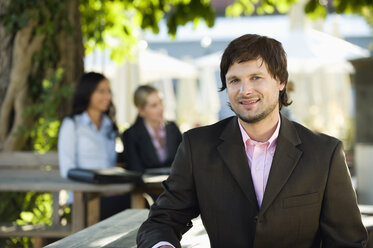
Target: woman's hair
x=141 y=94
x=86 y=86
x=251 y=47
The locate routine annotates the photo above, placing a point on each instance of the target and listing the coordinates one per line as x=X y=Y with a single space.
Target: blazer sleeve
x=131 y=156
x=170 y=217
x=340 y=221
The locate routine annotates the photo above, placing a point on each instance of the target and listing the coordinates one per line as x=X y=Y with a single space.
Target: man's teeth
x=249 y=101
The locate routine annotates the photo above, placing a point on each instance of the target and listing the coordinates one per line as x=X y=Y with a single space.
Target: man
x=257 y=179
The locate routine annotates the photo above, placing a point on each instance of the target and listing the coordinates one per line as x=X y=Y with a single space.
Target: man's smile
x=249 y=102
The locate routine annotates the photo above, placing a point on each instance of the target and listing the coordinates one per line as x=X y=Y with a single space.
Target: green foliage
x=241 y=7
x=24 y=208
x=244 y=7
x=352 y=6
x=360 y=7
x=314 y=8
x=45 y=135
x=49 y=95
x=49 y=15
x=116 y=24
x=108 y=24
x=38 y=209
x=186 y=11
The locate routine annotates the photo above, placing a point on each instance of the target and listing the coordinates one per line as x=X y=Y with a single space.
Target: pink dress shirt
x=260 y=156
x=158 y=138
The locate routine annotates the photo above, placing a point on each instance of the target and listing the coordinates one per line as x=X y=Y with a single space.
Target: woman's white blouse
x=82 y=145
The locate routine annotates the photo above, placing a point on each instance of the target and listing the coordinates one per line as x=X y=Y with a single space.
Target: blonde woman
x=151 y=142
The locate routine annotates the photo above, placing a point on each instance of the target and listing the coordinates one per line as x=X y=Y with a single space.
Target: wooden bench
x=121 y=229
x=25 y=162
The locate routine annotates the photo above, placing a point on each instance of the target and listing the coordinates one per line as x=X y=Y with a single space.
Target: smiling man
x=257 y=179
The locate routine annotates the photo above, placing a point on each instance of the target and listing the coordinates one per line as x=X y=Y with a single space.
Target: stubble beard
x=256 y=118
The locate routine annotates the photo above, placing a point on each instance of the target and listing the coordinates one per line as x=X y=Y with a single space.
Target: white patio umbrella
x=156 y=66
x=210 y=60
x=308 y=49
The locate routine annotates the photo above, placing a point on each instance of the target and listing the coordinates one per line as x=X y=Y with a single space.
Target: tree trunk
x=26 y=43
x=6 y=47
x=72 y=53
x=17 y=65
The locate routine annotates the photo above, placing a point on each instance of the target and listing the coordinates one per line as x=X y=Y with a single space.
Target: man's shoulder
x=313 y=136
x=213 y=130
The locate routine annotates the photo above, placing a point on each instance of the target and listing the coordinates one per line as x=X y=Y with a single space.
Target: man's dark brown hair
x=251 y=47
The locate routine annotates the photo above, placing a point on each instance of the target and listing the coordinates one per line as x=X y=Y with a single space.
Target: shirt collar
x=151 y=130
x=84 y=119
x=246 y=138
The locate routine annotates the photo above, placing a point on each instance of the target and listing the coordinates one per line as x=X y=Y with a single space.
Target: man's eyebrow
x=231 y=77
x=257 y=73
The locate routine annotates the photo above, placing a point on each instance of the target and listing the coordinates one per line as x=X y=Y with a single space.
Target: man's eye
x=256 y=78
x=234 y=81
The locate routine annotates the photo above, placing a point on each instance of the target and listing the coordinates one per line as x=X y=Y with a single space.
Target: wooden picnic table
x=85 y=208
x=51 y=181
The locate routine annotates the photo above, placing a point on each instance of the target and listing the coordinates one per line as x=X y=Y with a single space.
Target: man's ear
x=282 y=86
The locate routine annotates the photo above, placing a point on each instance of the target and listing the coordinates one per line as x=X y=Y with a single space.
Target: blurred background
x=176 y=45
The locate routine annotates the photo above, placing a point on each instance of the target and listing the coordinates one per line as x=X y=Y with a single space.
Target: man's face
x=253 y=93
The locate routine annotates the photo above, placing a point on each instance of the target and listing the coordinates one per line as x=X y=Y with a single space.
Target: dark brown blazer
x=309 y=200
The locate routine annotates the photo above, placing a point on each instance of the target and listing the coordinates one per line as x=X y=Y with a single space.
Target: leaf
x=236 y=9
x=26 y=217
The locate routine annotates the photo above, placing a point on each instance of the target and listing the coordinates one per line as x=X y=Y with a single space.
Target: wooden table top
x=51 y=181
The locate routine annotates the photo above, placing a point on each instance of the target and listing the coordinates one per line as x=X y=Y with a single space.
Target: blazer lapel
x=284 y=161
x=232 y=151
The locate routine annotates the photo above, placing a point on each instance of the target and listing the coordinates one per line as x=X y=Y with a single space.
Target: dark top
x=139 y=151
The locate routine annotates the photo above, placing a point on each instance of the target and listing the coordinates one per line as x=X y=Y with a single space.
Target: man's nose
x=246 y=87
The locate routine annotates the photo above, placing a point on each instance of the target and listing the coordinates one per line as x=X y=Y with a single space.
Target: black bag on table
x=105 y=176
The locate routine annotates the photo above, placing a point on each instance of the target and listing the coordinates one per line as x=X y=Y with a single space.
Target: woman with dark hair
x=151 y=142
x=87 y=137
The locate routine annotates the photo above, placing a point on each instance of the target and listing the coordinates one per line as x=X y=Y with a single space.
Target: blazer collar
x=232 y=151
x=284 y=161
